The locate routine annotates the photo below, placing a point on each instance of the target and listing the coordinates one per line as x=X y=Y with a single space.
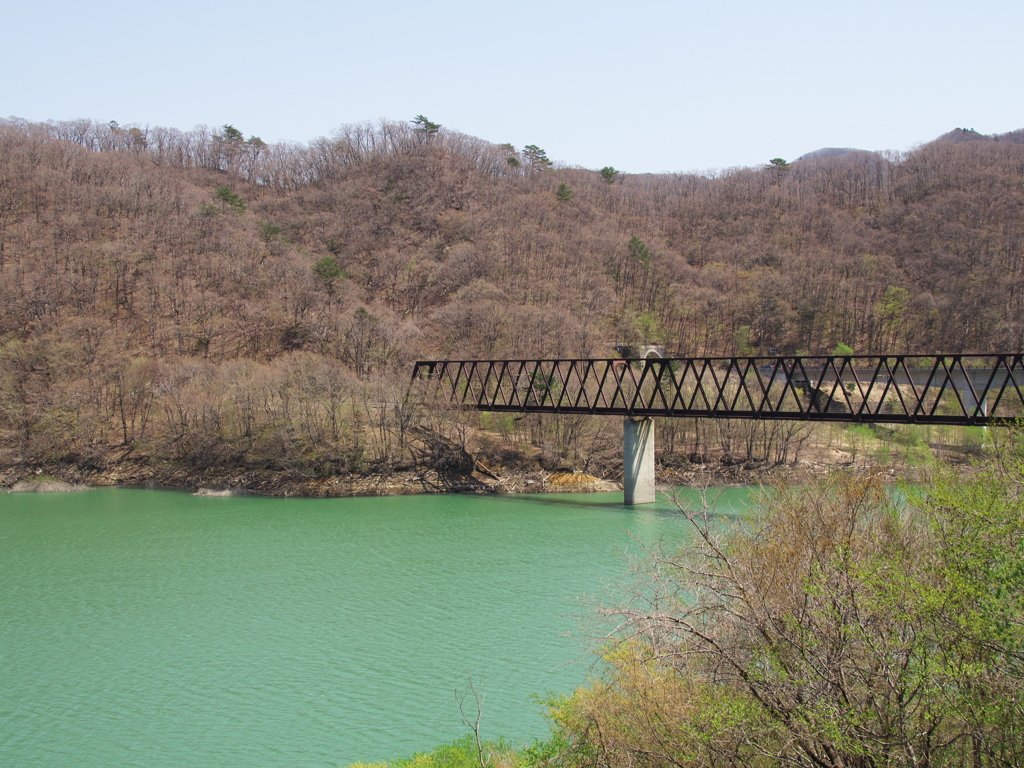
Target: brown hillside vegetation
x=199 y=299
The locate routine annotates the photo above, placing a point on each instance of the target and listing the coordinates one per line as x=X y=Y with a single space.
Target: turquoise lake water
x=149 y=628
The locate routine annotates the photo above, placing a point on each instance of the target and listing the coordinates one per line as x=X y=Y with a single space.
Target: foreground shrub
x=842 y=627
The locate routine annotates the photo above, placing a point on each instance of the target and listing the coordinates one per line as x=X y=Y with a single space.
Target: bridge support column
x=971 y=402
x=638 y=461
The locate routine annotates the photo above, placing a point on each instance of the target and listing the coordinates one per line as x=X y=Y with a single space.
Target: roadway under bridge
x=967 y=390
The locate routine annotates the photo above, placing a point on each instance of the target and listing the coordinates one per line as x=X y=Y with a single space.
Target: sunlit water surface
x=147 y=628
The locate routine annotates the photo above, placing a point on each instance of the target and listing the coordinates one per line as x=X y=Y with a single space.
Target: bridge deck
x=917 y=389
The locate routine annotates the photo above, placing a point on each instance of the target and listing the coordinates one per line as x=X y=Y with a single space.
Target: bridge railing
x=933 y=389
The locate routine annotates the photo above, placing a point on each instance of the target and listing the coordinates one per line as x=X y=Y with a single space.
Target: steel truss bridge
x=969 y=390
x=913 y=389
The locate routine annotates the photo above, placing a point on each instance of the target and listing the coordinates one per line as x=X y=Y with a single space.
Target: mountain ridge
x=208 y=301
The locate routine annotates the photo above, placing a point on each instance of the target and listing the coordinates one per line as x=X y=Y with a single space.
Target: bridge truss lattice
x=914 y=389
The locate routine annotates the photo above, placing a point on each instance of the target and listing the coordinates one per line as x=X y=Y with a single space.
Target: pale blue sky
x=645 y=86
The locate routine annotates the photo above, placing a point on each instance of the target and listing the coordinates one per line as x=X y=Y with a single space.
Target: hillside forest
x=202 y=299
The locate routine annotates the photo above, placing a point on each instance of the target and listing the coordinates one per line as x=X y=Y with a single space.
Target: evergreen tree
x=536 y=157
x=638 y=250
x=425 y=126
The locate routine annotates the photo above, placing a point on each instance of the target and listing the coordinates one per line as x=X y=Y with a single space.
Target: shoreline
x=139 y=473
x=136 y=473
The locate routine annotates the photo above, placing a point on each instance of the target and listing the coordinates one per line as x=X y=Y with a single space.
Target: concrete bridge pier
x=638 y=460
x=970 y=401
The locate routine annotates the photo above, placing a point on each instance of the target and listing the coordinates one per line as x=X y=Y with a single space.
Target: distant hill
x=962 y=135
x=818 y=154
x=956 y=136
